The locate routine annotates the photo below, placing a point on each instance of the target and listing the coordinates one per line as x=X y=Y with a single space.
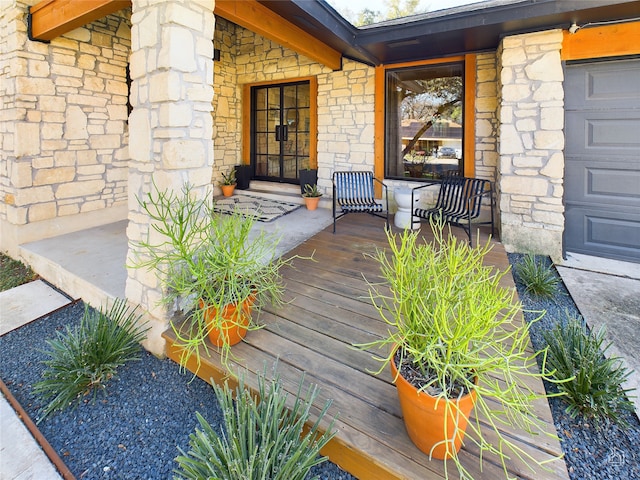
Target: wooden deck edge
x=338 y=451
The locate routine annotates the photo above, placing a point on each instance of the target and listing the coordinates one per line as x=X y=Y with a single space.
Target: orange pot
x=435 y=429
x=311 y=202
x=234 y=325
x=227 y=190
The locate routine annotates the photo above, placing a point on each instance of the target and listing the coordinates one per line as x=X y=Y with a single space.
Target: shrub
x=262 y=438
x=538 y=279
x=589 y=381
x=85 y=358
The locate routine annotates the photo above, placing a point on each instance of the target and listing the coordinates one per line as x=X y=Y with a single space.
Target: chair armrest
x=427 y=184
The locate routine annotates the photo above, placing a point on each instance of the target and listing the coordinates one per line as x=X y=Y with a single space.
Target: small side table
x=402 y=217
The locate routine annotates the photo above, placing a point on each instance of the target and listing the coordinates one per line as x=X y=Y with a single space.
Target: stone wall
x=531 y=163
x=63 y=127
x=486 y=112
x=345 y=100
x=171 y=127
x=227 y=102
x=345 y=121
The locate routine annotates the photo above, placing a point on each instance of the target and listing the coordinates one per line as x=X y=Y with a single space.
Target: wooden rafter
x=52 y=18
x=259 y=19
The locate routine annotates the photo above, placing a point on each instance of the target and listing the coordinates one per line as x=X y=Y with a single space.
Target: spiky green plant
x=452 y=321
x=538 y=279
x=262 y=438
x=588 y=379
x=198 y=254
x=84 y=358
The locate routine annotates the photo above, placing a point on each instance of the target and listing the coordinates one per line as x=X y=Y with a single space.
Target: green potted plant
x=228 y=183
x=311 y=196
x=453 y=332
x=211 y=265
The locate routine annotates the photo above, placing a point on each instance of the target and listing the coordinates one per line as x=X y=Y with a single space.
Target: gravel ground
x=132 y=433
x=135 y=431
x=592 y=451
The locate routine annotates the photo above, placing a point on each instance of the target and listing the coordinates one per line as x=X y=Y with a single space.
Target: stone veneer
x=486 y=110
x=171 y=126
x=345 y=100
x=531 y=164
x=63 y=127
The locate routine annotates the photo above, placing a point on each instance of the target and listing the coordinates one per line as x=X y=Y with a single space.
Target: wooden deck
x=328 y=311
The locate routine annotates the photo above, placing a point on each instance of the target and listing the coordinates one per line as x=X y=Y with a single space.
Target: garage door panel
x=602 y=159
x=611 y=234
x=601 y=135
x=598 y=182
x=601 y=86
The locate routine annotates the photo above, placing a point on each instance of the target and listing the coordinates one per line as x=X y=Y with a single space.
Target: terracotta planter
x=234 y=325
x=227 y=190
x=311 y=202
x=424 y=418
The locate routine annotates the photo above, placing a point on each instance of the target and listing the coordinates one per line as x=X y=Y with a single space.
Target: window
x=424 y=121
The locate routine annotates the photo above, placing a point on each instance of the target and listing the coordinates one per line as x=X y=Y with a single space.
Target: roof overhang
x=313 y=28
x=465 y=29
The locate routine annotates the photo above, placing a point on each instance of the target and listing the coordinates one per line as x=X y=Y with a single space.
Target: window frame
x=468 y=62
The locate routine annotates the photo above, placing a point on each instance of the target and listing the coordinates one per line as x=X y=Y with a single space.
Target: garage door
x=602 y=154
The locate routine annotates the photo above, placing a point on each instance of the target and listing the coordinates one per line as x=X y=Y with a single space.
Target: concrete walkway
x=21 y=457
x=607 y=293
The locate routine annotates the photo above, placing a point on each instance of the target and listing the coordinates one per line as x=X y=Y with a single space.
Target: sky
x=379 y=5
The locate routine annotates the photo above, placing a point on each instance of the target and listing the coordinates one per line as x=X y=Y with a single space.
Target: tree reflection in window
x=424 y=119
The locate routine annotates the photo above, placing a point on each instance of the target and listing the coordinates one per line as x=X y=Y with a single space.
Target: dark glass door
x=280 y=131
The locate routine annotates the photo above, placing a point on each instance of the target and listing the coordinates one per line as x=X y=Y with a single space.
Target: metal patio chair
x=459 y=202
x=353 y=192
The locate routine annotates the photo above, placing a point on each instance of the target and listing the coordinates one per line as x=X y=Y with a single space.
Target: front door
x=280 y=131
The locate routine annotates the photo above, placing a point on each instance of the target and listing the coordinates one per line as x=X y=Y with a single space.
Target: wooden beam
x=252 y=15
x=604 y=41
x=469 y=122
x=52 y=18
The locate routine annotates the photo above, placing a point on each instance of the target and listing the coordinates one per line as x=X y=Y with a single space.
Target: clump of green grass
x=263 y=439
x=83 y=359
x=590 y=382
x=13 y=273
x=537 y=278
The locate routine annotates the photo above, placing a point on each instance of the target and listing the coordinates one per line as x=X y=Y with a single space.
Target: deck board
x=326 y=311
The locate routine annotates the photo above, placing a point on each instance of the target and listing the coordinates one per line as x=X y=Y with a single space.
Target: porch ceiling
x=315 y=29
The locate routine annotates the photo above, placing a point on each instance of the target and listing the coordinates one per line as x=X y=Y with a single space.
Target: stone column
x=170 y=126
x=531 y=159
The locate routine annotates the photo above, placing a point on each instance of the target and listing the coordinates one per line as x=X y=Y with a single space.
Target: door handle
x=282 y=133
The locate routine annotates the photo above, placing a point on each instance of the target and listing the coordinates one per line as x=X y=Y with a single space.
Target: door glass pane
x=261 y=99
x=289 y=166
x=303 y=120
x=274 y=98
x=262 y=124
x=424 y=121
x=290 y=96
x=261 y=165
x=273 y=166
x=261 y=143
x=303 y=144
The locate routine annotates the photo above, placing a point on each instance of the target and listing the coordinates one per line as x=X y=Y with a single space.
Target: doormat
x=262 y=209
